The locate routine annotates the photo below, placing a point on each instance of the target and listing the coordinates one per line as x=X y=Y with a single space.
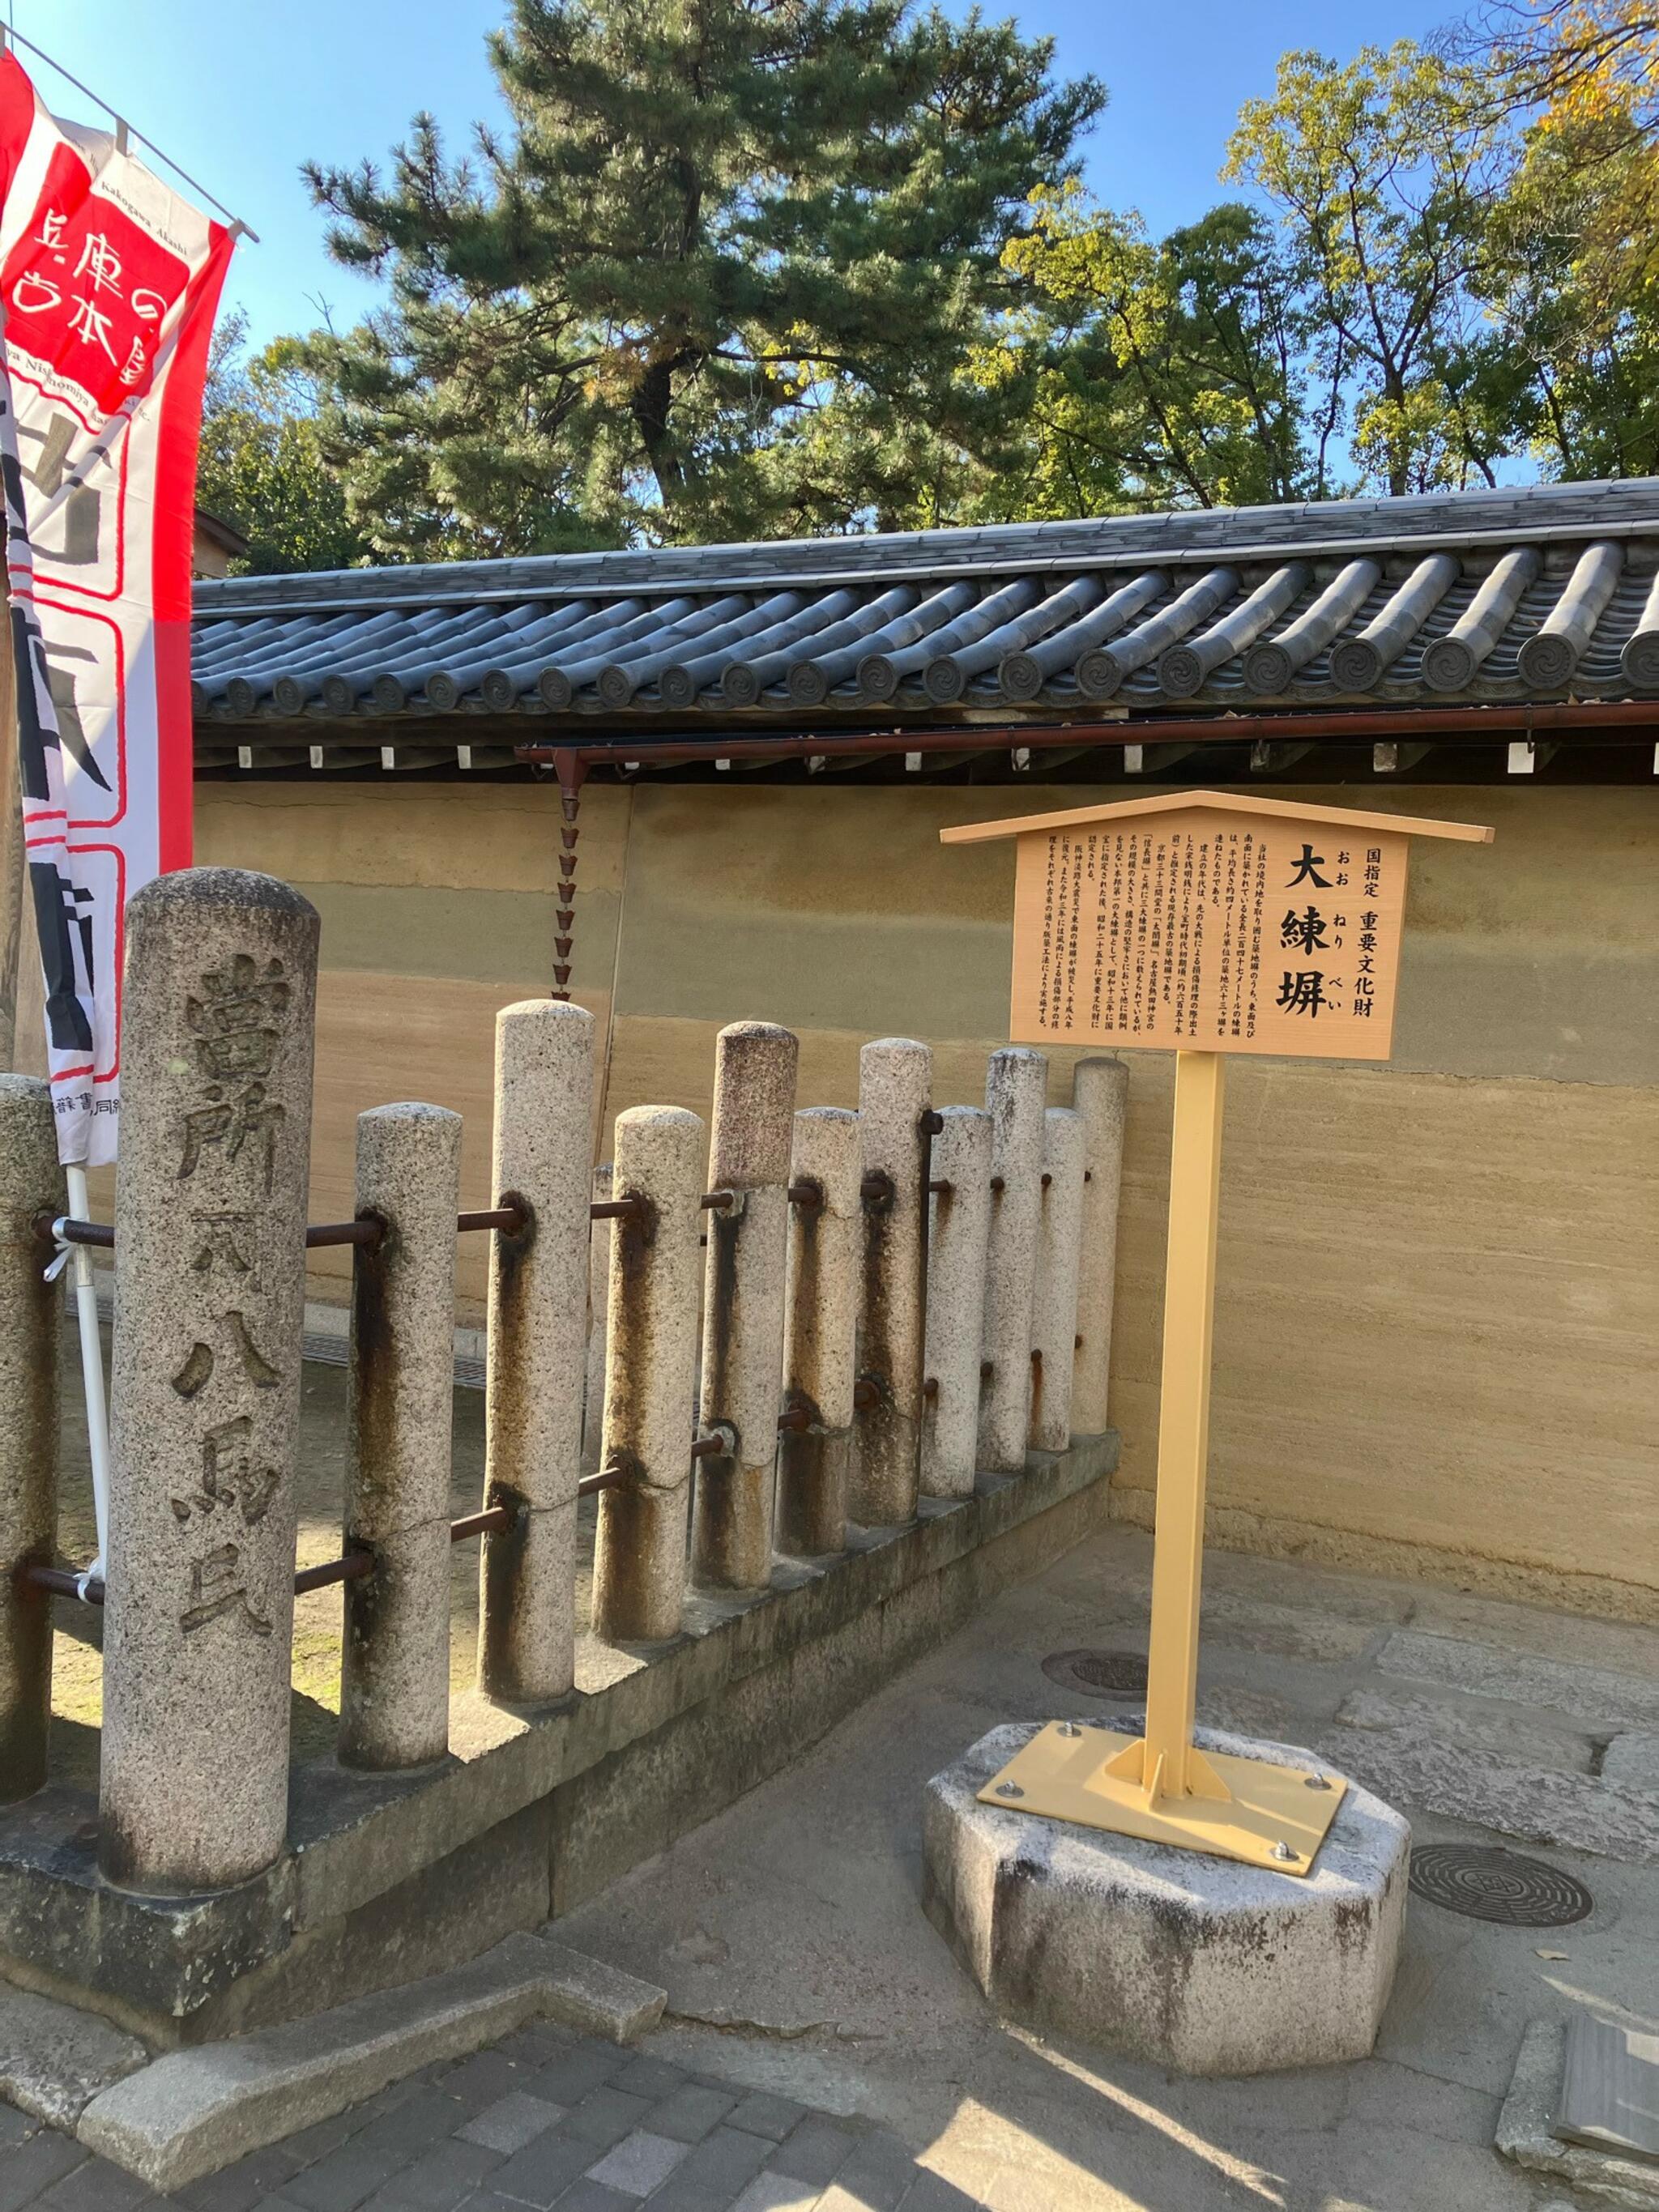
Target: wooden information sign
x=1202 y=923
x=1209 y=930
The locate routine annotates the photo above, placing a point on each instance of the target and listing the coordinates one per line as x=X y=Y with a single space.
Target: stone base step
x=189 y=2112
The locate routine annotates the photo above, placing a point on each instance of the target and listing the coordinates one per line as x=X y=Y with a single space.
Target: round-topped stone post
x=895 y=1096
x=31 y=1183
x=956 y=1246
x=1016 y=1084
x=639 y=1554
x=217 y=1018
x=1100 y=1093
x=826 y=1239
x=394 y=1678
x=749 y=1150
x=1053 y=1297
x=536 y=1319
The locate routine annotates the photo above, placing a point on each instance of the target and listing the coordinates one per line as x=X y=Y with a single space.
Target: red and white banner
x=108 y=286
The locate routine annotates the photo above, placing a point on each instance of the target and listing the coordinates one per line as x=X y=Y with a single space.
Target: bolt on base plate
x=1271 y=1816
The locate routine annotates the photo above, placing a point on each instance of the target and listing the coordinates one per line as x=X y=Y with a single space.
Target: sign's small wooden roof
x=1222 y=802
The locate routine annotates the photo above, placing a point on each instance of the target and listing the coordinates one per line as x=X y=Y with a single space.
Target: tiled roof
x=1505 y=595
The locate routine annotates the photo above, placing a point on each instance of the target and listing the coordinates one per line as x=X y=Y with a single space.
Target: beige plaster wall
x=1438 y=1296
x=437 y=905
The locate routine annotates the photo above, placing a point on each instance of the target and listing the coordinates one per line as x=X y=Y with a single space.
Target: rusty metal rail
x=482 y=1524
x=63 y=1582
x=350 y=1567
x=367 y=1232
x=507 y=1218
x=48 y=1227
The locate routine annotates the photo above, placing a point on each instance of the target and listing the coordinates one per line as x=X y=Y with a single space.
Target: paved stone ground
x=789 y=1936
x=547 y=2119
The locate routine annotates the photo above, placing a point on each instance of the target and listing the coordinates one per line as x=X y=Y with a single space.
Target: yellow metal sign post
x=1209 y=923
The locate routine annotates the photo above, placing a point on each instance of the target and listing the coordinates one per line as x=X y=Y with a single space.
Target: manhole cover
x=1122 y=1674
x=1485 y=1883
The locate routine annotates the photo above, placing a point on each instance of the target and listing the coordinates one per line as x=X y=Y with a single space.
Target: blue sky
x=241 y=91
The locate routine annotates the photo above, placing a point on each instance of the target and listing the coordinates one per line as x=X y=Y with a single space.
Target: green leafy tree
x=1576 y=364
x=1384 y=172
x=726 y=258
x=1152 y=373
x=1582 y=77
x=262 y=466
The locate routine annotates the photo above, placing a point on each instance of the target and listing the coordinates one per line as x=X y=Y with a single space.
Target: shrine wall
x=1438 y=1296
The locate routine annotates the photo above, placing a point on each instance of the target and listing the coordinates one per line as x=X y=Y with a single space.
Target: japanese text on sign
x=1209 y=932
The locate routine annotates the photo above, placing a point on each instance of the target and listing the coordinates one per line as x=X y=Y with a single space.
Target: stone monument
x=219 y=998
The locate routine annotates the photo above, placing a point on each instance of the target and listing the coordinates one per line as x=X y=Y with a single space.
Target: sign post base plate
x=1271 y=1816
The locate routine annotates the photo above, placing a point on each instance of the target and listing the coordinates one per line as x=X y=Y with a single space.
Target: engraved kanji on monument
x=218 y=1005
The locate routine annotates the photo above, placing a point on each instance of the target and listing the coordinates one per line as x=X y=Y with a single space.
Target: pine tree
x=728 y=257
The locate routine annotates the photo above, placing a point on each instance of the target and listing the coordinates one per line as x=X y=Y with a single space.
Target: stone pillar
x=394 y=1678
x=957 y=1246
x=894 y=1092
x=1100 y=1093
x=826 y=1243
x=1054 y=1301
x=599 y=1291
x=218 y=1011
x=538 y=1350
x=639 y=1556
x=1015 y=1086
x=31 y=1182
x=749 y=1148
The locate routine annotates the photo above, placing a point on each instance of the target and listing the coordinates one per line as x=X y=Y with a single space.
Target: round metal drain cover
x=1485 y=1883
x=1108 y=1674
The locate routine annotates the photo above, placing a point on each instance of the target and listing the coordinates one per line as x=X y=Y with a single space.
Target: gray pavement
x=789 y=1934
x=546 y=2119
x=822 y=2048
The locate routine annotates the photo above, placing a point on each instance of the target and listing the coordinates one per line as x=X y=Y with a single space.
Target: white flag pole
x=92 y=1369
x=23 y=951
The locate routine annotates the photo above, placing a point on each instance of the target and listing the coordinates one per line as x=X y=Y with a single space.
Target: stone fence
x=764 y=1331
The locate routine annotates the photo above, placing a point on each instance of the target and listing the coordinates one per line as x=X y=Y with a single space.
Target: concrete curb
x=1523 y=2129
x=192 y=2111
x=55 y=2058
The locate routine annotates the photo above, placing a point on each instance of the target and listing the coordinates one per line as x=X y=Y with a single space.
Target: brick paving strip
x=547 y=2119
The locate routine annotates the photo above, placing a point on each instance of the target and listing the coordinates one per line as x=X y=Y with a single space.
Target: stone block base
x=1194 y=1962
x=389 y=1877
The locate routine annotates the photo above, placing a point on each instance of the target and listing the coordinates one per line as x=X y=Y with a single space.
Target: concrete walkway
x=820 y=2037
x=796 y=1956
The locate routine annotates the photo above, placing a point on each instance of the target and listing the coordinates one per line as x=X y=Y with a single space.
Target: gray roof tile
x=1431 y=597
